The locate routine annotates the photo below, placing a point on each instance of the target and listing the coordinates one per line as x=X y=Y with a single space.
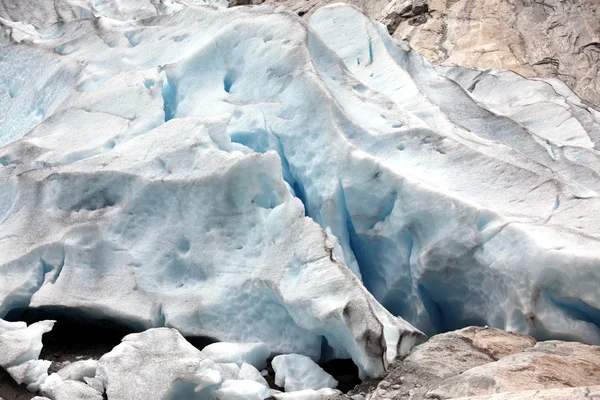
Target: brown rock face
x=496 y=343
x=547 y=365
x=534 y=38
x=590 y=393
x=551 y=38
x=489 y=364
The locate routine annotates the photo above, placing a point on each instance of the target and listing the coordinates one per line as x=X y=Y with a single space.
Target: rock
x=495 y=342
x=591 y=392
x=532 y=38
x=490 y=364
x=547 y=365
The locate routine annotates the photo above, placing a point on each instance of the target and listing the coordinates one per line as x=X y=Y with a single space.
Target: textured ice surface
x=242 y=390
x=151 y=212
x=78 y=370
x=55 y=388
x=162 y=359
x=295 y=372
x=160 y=164
x=248 y=372
x=20 y=347
x=255 y=354
x=490 y=215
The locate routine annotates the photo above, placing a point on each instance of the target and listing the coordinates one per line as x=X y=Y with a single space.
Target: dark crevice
x=74 y=326
x=343 y=371
x=301 y=195
x=200 y=342
x=169 y=95
x=228 y=81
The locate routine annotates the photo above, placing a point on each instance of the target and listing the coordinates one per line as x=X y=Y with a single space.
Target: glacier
x=241 y=175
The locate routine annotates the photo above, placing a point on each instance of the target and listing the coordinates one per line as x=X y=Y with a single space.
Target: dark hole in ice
x=76 y=335
x=344 y=371
x=200 y=342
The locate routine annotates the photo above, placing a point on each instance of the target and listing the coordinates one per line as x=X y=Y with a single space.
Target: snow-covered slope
x=158 y=170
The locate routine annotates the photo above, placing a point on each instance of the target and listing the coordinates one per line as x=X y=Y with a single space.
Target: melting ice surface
x=242 y=175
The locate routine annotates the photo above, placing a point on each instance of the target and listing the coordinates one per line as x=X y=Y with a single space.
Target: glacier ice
x=255 y=354
x=295 y=372
x=242 y=390
x=110 y=206
x=238 y=174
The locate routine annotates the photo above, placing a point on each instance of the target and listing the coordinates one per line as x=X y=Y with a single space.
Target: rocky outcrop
x=551 y=38
x=489 y=364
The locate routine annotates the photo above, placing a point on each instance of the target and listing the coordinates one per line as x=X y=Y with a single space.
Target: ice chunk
x=21 y=346
x=249 y=373
x=161 y=357
x=55 y=388
x=95 y=383
x=32 y=373
x=78 y=370
x=296 y=372
x=242 y=390
x=255 y=354
x=228 y=370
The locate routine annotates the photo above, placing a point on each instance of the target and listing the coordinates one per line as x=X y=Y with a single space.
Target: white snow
x=296 y=372
x=239 y=175
x=255 y=354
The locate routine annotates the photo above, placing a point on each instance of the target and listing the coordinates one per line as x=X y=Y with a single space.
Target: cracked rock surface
x=479 y=363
